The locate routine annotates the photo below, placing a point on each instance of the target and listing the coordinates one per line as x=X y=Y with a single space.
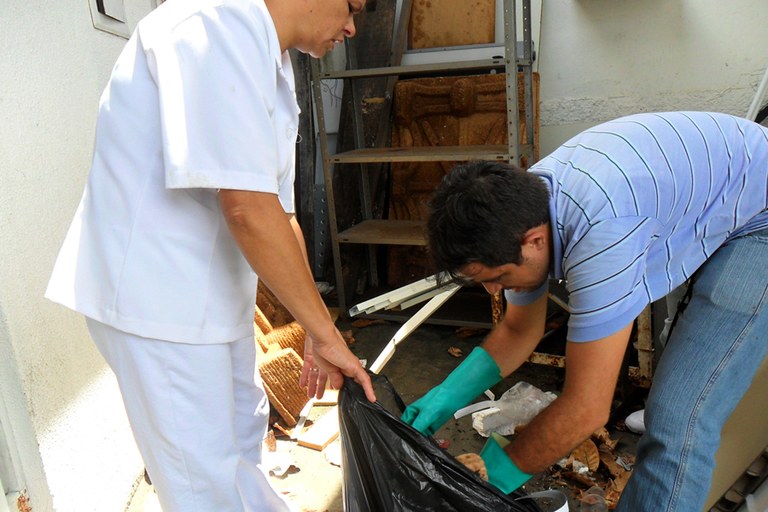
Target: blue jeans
x=714 y=350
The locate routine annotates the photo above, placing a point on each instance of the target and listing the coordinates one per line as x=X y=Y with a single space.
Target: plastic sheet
x=517 y=406
x=389 y=466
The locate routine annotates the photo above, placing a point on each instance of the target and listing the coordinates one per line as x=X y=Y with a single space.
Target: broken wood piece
x=261 y=341
x=474 y=463
x=612 y=498
x=587 y=454
x=578 y=478
x=455 y=351
x=608 y=458
x=270 y=442
x=280 y=373
x=283 y=431
x=322 y=432
x=261 y=322
x=619 y=474
x=602 y=435
x=271 y=307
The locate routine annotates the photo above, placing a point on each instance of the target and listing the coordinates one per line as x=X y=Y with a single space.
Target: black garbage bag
x=391 y=467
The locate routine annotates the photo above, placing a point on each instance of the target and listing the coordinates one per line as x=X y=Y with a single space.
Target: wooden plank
x=323 y=432
x=388 y=232
x=418 y=69
x=445 y=23
x=330 y=397
x=499 y=152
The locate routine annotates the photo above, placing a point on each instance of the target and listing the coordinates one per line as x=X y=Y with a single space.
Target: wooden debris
x=261 y=322
x=601 y=436
x=455 y=351
x=271 y=442
x=579 y=478
x=587 y=454
x=286 y=433
x=322 y=432
x=619 y=474
x=270 y=306
x=474 y=463
x=280 y=373
x=261 y=341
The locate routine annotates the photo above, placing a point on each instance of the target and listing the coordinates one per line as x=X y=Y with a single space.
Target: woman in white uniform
x=189 y=198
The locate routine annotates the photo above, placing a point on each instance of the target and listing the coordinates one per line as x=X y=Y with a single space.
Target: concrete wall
x=63 y=435
x=62 y=423
x=602 y=59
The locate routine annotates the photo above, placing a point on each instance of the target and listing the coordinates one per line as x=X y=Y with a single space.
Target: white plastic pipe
x=758 y=99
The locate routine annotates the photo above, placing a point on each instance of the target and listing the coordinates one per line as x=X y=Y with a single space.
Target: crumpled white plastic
x=517 y=406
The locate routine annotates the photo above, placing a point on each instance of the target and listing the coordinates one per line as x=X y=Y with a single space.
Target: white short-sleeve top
x=201 y=98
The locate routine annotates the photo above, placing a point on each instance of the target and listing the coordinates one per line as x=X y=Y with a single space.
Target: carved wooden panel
x=445 y=111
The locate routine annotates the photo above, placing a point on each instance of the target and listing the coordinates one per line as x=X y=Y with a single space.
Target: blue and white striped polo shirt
x=639 y=203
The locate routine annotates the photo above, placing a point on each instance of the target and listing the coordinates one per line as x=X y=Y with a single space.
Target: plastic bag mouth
x=388 y=466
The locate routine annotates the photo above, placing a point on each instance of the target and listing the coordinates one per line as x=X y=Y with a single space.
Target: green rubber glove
x=502 y=472
x=474 y=375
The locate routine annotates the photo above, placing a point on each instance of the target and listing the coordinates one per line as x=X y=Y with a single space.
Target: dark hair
x=480 y=212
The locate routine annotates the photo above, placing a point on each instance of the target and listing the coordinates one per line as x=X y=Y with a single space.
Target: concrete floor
x=421 y=362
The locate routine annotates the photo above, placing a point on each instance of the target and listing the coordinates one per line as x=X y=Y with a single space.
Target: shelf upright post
x=328 y=179
x=510 y=58
x=527 y=64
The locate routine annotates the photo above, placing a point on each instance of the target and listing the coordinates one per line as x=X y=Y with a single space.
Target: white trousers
x=199 y=415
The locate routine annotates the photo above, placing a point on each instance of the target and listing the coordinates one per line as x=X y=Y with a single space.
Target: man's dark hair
x=480 y=213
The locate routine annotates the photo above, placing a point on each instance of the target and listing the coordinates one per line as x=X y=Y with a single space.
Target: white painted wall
x=601 y=59
x=66 y=436
x=60 y=414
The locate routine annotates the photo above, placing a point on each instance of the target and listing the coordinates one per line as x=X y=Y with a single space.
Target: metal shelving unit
x=399 y=232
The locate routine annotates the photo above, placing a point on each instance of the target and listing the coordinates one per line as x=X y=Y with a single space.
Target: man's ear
x=537 y=237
